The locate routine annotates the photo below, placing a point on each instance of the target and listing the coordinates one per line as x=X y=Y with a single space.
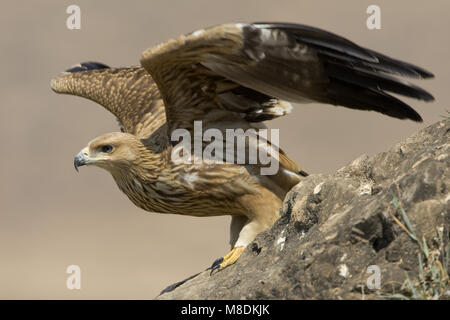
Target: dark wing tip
x=59 y=84
x=85 y=66
x=413 y=115
x=303 y=173
x=424 y=73
x=362 y=97
x=395 y=66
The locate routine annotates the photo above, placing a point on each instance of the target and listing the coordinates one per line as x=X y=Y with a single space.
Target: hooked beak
x=81 y=159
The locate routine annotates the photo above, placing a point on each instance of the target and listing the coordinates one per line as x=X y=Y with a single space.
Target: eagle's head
x=112 y=151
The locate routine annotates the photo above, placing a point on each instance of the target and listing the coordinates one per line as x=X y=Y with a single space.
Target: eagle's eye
x=107 y=148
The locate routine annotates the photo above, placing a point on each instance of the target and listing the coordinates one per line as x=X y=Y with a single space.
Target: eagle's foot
x=230 y=258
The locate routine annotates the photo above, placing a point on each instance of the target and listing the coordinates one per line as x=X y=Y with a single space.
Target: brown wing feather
x=287 y=61
x=192 y=91
x=189 y=69
x=129 y=93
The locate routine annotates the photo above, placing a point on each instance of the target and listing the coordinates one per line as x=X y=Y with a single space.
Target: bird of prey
x=230 y=76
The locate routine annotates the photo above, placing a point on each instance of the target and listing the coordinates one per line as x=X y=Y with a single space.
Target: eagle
x=230 y=76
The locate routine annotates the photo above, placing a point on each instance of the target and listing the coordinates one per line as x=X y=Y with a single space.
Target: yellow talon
x=230 y=258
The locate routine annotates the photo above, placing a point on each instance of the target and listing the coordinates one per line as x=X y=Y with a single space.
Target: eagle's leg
x=230 y=258
x=236 y=225
x=262 y=211
x=242 y=232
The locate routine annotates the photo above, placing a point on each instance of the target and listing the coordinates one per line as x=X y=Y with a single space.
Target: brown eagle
x=231 y=76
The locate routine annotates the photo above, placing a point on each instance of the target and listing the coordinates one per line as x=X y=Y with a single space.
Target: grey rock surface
x=333 y=227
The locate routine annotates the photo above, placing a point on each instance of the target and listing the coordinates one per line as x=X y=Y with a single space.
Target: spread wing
x=129 y=93
x=199 y=74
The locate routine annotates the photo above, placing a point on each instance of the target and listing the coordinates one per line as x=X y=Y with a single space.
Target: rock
x=333 y=227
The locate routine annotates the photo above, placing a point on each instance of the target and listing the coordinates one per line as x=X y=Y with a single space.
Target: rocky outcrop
x=390 y=211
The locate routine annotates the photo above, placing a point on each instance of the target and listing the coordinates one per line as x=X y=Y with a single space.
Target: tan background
x=51 y=217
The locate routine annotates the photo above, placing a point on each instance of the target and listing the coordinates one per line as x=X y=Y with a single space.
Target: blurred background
x=51 y=217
